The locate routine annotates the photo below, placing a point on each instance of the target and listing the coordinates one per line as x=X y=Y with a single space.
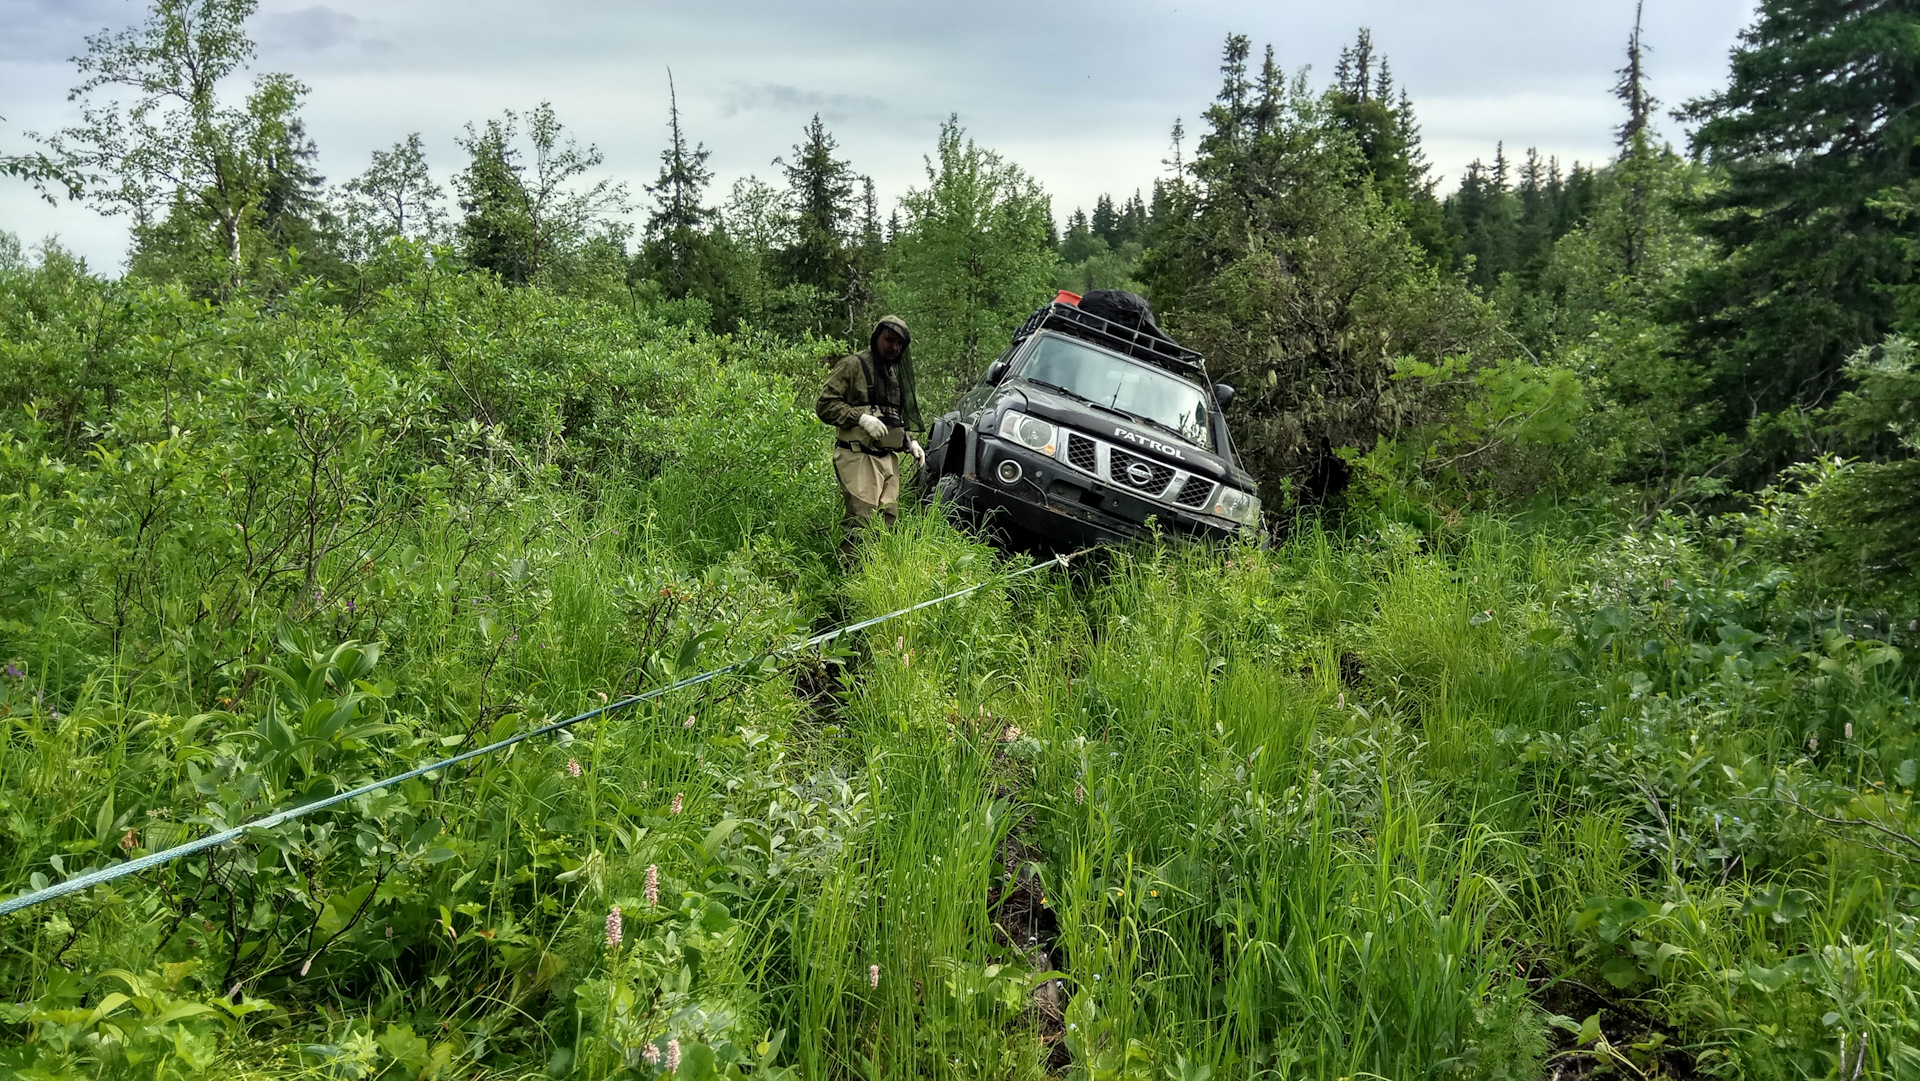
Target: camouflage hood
x=909 y=396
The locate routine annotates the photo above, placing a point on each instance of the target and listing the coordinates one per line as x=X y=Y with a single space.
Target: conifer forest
x=1561 y=726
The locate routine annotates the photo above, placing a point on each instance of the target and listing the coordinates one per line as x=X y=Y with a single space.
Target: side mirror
x=996 y=372
x=1223 y=394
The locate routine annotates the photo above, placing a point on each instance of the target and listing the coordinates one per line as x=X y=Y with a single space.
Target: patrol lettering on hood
x=1153 y=445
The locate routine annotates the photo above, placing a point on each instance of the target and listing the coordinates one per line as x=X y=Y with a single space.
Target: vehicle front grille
x=1124 y=468
x=1147 y=477
x=1080 y=453
x=1194 y=492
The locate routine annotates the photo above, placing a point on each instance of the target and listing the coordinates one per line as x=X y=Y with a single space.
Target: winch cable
x=147 y=862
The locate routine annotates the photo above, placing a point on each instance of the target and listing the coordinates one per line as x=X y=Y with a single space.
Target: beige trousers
x=869 y=483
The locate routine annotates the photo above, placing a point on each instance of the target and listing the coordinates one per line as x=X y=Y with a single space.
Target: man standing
x=870 y=402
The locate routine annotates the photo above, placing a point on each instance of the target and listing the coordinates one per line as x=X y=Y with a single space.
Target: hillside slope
x=1485 y=799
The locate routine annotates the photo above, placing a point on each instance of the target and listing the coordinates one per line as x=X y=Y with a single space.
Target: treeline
x=1670 y=327
x=1666 y=326
x=224 y=197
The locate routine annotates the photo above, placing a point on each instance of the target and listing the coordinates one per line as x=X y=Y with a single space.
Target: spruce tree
x=526 y=224
x=1106 y=220
x=293 y=213
x=1273 y=257
x=866 y=257
x=1388 y=138
x=1228 y=114
x=1270 y=91
x=1632 y=87
x=872 y=239
x=1133 y=221
x=821 y=197
x=1080 y=243
x=496 y=231
x=1484 y=217
x=680 y=250
x=1819 y=120
x=1535 y=233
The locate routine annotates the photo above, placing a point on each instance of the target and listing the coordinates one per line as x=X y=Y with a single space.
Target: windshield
x=1118 y=383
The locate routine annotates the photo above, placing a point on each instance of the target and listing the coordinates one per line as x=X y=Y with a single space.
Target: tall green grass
x=1491 y=800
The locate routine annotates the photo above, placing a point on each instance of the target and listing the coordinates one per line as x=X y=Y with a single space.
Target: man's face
x=890 y=346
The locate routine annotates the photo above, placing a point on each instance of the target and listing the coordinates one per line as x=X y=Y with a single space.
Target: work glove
x=873 y=426
x=919 y=452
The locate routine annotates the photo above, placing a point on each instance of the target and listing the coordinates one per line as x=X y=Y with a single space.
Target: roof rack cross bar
x=1129 y=341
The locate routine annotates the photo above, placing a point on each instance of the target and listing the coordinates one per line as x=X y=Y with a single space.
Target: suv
x=1089 y=430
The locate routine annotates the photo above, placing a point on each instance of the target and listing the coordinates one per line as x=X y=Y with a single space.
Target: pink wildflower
x=573 y=767
x=873 y=975
x=615 y=928
x=653 y=886
x=679 y=801
x=673 y=1055
x=1079 y=793
x=650 y=1054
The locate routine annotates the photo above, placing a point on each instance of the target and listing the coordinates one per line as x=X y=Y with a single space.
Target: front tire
x=929 y=480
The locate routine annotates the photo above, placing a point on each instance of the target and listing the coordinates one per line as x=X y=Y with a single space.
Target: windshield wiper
x=1124 y=414
x=1168 y=428
x=1079 y=397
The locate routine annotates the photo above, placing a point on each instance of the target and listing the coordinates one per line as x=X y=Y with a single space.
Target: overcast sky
x=1083 y=96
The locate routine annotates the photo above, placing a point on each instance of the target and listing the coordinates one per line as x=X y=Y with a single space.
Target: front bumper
x=1063 y=505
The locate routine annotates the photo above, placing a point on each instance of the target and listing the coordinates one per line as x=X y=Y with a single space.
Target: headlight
x=1027 y=431
x=1238 y=506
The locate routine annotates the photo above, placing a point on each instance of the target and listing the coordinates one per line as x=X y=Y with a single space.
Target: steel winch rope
x=152 y=860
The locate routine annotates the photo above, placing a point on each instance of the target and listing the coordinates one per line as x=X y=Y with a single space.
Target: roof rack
x=1140 y=344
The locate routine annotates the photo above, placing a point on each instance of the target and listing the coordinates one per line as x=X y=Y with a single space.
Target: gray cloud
x=309 y=29
x=44 y=30
x=1082 y=98
x=779 y=96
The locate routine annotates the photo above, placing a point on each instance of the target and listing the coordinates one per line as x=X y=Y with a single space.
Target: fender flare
x=947 y=436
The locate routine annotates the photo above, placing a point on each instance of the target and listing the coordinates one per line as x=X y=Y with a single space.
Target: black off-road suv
x=1093 y=426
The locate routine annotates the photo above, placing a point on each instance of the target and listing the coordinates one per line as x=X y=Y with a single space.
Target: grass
x=1492 y=800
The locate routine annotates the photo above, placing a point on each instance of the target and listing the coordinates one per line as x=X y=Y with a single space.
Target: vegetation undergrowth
x=1564 y=728
x=1482 y=799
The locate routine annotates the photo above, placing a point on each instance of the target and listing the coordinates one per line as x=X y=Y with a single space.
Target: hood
x=893 y=323
x=909 y=394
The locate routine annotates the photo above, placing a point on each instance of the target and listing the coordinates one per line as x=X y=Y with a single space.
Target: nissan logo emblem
x=1139 y=474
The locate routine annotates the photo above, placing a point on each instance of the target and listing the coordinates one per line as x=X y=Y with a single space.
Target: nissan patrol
x=1092 y=427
